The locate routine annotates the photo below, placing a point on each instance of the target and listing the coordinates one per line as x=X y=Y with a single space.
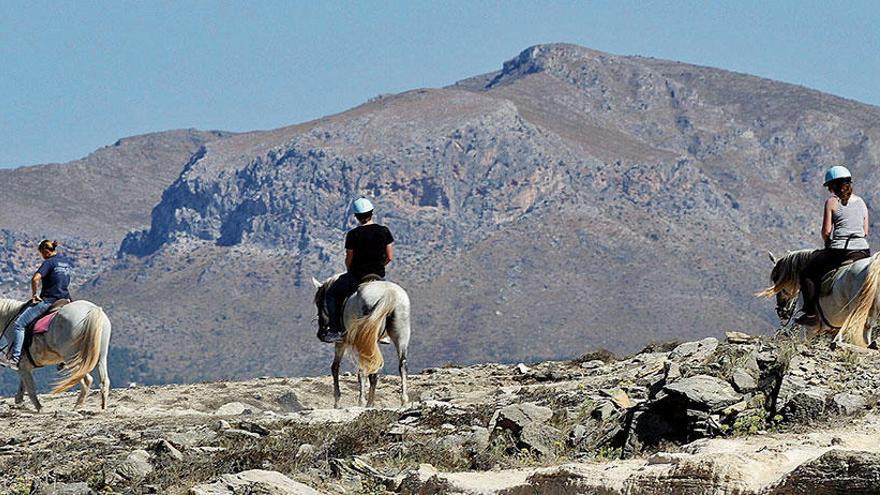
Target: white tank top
x=849 y=224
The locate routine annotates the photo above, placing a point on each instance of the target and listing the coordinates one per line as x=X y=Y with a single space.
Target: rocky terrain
x=571 y=198
x=746 y=415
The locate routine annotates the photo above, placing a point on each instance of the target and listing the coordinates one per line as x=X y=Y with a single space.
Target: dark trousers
x=338 y=291
x=823 y=262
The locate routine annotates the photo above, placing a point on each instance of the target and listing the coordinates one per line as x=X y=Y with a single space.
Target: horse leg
x=362 y=385
x=85 y=388
x=105 y=379
x=404 y=395
x=334 y=369
x=27 y=380
x=19 y=396
x=371 y=397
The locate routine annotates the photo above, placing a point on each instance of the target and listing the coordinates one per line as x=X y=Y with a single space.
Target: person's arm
x=867 y=223
x=349 y=257
x=827 y=224
x=389 y=253
x=35 y=287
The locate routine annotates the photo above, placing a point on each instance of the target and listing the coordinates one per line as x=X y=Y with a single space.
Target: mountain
x=571 y=200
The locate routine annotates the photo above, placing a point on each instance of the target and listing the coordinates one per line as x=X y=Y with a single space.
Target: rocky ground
x=744 y=416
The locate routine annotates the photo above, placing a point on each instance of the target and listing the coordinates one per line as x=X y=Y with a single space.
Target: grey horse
x=79 y=336
x=375 y=309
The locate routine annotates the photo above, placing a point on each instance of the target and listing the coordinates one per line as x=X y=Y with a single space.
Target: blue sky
x=75 y=76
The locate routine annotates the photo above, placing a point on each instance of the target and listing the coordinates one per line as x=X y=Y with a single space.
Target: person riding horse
x=844 y=230
x=369 y=247
x=54 y=276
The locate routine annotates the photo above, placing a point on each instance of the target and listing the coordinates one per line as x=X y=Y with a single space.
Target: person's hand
x=35 y=299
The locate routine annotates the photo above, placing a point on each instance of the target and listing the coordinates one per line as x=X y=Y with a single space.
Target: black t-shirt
x=55 y=273
x=368 y=243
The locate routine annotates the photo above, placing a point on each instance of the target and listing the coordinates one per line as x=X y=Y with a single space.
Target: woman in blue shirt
x=49 y=284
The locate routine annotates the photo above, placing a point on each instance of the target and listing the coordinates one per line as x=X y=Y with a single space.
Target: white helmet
x=362 y=205
x=836 y=172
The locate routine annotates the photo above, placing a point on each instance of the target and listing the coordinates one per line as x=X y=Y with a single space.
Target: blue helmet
x=836 y=172
x=362 y=205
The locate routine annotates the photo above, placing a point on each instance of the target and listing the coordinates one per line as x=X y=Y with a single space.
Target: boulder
x=834 y=472
x=162 y=448
x=235 y=409
x=47 y=488
x=806 y=406
x=136 y=466
x=253 y=482
x=743 y=381
x=846 y=404
x=515 y=417
x=740 y=338
x=704 y=392
x=539 y=438
x=696 y=351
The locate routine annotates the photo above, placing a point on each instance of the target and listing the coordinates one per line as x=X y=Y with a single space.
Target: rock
x=790 y=385
x=846 y=404
x=222 y=425
x=414 y=481
x=55 y=488
x=163 y=448
x=235 y=409
x=834 y=472
x=743 y=381
x=254 y=428
x=289 y=401
x=619 y=397
x=255 y=481
x=697 y=351
x=577 y=434
x=305 y=450
x=740 y=338
x=705 y=392
x=540 y=438
x=192 y=438
x=806 y=406
x=604 y=411
x=672 y=371
x=517 y=416
x=521 y=369
x=593 y=364
x=135 y=467
x=237 y=433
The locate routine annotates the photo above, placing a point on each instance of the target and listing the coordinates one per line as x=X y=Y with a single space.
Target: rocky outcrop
x=254 y=481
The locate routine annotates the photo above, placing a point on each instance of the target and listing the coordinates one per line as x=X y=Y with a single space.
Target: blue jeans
x=30 y=315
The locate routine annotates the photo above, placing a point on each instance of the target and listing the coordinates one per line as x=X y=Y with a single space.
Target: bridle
x=785 y=308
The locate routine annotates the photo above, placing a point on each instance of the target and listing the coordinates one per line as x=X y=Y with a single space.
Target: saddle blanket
x=42 y=325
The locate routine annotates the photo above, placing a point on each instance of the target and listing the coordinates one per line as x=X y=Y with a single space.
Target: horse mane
x=786 y=273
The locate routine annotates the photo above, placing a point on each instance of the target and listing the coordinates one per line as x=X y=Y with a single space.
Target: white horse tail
x=89 y=344
x=853 y=328
x=363 y=335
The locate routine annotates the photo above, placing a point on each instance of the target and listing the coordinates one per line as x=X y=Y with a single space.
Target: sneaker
x=385 y=340
x=8 y=362
x=331 y=337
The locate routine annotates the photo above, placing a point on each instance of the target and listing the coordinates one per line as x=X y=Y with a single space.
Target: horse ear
x=772 y=257
x=316 y=283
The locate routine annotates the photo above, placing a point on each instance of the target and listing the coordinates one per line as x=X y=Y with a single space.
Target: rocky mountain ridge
x=747 y=415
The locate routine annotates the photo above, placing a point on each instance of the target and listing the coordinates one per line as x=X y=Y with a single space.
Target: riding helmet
x=836 y=172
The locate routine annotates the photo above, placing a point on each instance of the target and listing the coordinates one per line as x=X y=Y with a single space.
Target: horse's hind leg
x=362 y=385
x=85 y=388
x=19 y=396
x=334 y=369
x=371 y=396
x=104 y=376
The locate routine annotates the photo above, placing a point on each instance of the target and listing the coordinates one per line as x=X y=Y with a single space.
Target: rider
x=368 y=248
x=844 y=230
x=54 y=276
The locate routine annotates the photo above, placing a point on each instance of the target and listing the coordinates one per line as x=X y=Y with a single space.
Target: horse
x=79 y=337
x=846 y=309
x=375 y=307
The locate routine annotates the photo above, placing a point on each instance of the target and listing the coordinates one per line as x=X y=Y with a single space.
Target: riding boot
x=333 y=333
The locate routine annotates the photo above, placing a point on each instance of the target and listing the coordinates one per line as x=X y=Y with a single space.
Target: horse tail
x=89 y=344
x=853 y=328
x=363 y=335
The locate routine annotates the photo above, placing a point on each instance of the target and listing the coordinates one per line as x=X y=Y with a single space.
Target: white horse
x=376 y=308
x=79 y=336
x=847 y=308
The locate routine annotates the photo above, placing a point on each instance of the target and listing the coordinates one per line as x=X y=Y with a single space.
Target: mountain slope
x=573 y=199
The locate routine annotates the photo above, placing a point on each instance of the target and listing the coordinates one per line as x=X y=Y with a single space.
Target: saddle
x=829 y=278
